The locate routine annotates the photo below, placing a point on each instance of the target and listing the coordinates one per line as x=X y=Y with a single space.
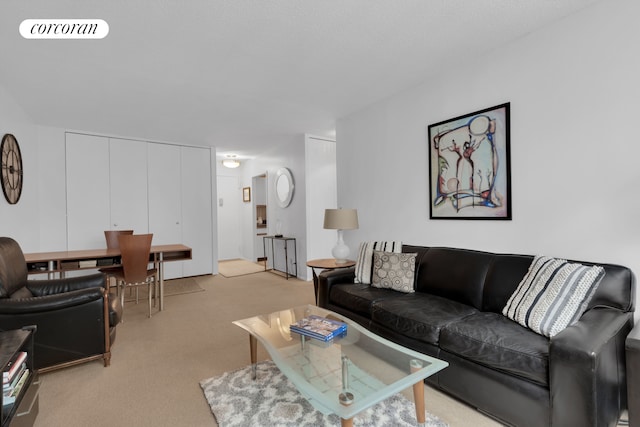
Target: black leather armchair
x=76 y=317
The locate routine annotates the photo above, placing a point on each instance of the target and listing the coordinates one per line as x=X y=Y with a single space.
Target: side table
x=325 y=264
x=24 y=410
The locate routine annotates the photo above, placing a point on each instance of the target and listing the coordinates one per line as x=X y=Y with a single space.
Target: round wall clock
x=11 y=176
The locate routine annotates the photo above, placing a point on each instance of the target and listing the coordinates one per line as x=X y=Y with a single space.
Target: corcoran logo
x=64 y=29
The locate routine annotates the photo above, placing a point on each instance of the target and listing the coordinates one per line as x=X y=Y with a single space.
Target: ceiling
x=243 y=75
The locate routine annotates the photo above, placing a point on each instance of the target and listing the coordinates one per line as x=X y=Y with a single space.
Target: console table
x=286 y=241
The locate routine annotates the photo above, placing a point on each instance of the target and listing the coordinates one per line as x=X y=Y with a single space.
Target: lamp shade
x=340 y=219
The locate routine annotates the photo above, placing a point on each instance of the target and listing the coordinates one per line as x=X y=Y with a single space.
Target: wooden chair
x=135 y=249
x=111 y=237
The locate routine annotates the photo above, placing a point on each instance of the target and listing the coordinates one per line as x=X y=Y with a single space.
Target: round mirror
x=284 y=187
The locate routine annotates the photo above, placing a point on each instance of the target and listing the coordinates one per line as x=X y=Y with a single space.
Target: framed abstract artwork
x=246 y=194
x=469 y=166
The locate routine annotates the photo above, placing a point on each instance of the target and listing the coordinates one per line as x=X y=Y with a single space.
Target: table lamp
x=340 y=219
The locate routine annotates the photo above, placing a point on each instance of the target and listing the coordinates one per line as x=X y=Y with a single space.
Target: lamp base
x=340 y=251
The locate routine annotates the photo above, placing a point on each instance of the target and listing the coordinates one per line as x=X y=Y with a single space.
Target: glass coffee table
x=346 y=375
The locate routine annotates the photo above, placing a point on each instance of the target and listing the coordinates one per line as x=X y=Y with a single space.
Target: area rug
x=238 y=267
x=272 y=400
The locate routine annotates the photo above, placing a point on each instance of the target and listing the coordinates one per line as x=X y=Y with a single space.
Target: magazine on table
x=319 y=327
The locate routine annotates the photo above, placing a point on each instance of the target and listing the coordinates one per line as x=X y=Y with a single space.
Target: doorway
x=260 y=219
x=229 y=210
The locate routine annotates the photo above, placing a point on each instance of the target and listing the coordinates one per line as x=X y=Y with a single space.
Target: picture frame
x=246 y=194
x=469 y=166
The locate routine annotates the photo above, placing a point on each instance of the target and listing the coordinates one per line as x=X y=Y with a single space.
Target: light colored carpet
x=238 y=267
x=270 y=400
x=158 y=362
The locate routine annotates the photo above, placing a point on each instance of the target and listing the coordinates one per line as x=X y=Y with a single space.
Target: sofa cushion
x=504 y=276
x=394 y=271
x=456 y=274
x=499 y=343
x=553 y=294
x=364 y=261
x=419 y=316
x=359 y=297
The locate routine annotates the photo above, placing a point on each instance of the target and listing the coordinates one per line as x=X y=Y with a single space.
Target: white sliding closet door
x=164 y=189
x=87 y=169
x=165 y=221
x=196 y=210
x=128 y=182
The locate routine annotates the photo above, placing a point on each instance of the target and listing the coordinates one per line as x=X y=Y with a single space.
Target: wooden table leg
x=346 y=423
x=418 y=395
x=253 y=348
x=315 y=284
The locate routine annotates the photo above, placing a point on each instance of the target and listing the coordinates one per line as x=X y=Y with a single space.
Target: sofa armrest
x=328 y=278
x=587 y=377
x=57 y=286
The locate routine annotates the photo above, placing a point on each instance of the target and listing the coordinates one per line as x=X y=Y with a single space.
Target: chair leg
x=149 y=291
x=156 y=291
x=121 y=292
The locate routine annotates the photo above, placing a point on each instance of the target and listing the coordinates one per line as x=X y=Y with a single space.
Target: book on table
x=9 y=385
x=13 y=367
x=319 y=328
x=9 y=395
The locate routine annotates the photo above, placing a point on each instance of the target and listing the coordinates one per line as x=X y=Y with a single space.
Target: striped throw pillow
x=364 y=262
x=552 y=295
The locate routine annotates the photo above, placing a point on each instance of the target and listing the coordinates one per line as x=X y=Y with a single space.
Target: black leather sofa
x=505 y=370
x=75 y=317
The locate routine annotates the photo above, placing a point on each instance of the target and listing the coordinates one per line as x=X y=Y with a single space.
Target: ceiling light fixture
x=231 y=162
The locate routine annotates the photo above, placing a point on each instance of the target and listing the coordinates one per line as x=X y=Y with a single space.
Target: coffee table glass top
x=346 y=375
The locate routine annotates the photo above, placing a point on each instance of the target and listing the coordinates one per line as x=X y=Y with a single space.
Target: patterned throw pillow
x=364 y=262
x=394 y=271
x=553 y=295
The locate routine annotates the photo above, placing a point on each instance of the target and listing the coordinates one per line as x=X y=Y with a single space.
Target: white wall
x=574 y=144
x=52 y=189
x=21 y=221
x=320 y=155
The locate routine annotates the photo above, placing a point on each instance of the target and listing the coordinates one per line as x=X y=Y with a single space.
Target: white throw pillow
x=552 y=295
x=364 y=262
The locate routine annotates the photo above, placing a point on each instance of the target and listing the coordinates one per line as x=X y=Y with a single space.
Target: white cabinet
x=128 y=185
x=180 y=204
x=165 y=175
x=158 y=188
x=196 y=209
x=106 y=188
x=88 y=202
